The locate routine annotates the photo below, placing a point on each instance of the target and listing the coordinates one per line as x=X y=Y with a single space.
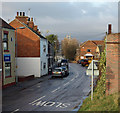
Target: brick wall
x=28 y=43
x=88 y=45
x=112 y=63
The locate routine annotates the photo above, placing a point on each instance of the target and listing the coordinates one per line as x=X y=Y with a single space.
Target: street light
x=16 y=51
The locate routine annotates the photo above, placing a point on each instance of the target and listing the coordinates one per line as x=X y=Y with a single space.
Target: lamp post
x=55 y=49
x=16 y=51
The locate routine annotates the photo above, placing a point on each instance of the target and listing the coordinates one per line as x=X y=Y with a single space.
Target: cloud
x=83 y=11
x=83 y=20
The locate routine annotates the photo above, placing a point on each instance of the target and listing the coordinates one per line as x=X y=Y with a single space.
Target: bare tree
x=69 y=46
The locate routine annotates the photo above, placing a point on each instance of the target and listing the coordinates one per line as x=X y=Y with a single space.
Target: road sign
x=95 y=70
x=7 y=57
x=92 y=70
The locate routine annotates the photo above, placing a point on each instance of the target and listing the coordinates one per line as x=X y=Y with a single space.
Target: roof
x=98 y=42
x=86 y=42
x=31 y=29
x=6 y=25
x=34 y=31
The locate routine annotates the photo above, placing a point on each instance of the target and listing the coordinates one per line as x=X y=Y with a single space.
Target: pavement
x=24 y=85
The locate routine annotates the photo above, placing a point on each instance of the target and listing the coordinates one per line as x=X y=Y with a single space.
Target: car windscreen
x=64 y=68
x=57 y=70
x=64 y=61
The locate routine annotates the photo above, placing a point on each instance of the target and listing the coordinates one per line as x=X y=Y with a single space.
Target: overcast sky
x=81 y=20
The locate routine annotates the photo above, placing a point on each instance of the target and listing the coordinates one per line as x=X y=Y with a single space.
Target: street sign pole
x=92 y=80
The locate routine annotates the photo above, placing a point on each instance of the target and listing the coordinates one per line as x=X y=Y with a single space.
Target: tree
x=53 y=39
x=69 y=46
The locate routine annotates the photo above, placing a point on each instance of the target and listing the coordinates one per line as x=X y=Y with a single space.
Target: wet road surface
x=53 y=94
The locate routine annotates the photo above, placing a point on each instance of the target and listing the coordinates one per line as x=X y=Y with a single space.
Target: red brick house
x=31 y=47
x=113 y=63
x=90 y=48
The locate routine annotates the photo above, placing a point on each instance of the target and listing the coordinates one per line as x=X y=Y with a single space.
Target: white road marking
x=55 y=90
x=72 y=79
x=15 y=111
x=38 y=86
x=66 y=83
x=37 y=99
x=76 y=76
x=50 y=104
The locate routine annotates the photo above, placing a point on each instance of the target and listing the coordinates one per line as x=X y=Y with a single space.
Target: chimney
x=109 y=28
x=28 y=19
x=23 y=13
x=17 y=13
x=31 y=19
x=35 y=28
x=39 y=32
x=31 y=23
x=20 y=13
x=22 y=18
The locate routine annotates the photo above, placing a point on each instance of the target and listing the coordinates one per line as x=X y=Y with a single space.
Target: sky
x=81 y=20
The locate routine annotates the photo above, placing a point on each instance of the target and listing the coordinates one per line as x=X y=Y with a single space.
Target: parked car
x=58 y=72
x=81 y=61
x=64 y=62
x=66 y=70
x=84 y=62
x=89 y=61
x=78 y=62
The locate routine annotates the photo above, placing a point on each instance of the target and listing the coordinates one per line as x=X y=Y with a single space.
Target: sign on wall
x=7 y=57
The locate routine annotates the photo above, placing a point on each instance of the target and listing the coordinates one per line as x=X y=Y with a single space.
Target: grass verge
x=102 y=103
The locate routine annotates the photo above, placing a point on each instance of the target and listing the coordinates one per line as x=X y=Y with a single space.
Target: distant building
x=90 y=49
x=8 y=56
x=32 y=47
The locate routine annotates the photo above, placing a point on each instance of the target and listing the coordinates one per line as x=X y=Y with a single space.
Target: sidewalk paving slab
x=23 y=85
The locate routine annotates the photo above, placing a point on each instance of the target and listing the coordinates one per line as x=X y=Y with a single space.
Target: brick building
x=31 y=47
x=113 y=63
x=8 y=54
x=90 y=48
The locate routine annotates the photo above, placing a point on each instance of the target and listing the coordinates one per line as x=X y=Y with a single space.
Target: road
x=53 y=94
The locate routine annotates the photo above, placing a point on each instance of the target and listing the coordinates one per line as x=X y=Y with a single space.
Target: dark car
x=66 y=70
x=84 y=62
x=64 y=62
x=79 y=61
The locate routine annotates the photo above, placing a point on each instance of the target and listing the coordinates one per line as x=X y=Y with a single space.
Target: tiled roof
x=98 y=42
x=34 y=31
x=5 y=24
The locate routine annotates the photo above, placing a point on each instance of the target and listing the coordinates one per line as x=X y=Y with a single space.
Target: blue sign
x=7 y=57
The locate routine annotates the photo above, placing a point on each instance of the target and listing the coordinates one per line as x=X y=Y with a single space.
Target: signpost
x=92 y=80
x=92 y=70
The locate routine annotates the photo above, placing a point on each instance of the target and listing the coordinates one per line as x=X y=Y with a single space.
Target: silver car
x=58 y=72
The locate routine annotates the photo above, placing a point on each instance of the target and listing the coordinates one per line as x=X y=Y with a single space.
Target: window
x=5 y=41
x=44 y=66
x=88 y=50
x=7 y=69
x=44 y=48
